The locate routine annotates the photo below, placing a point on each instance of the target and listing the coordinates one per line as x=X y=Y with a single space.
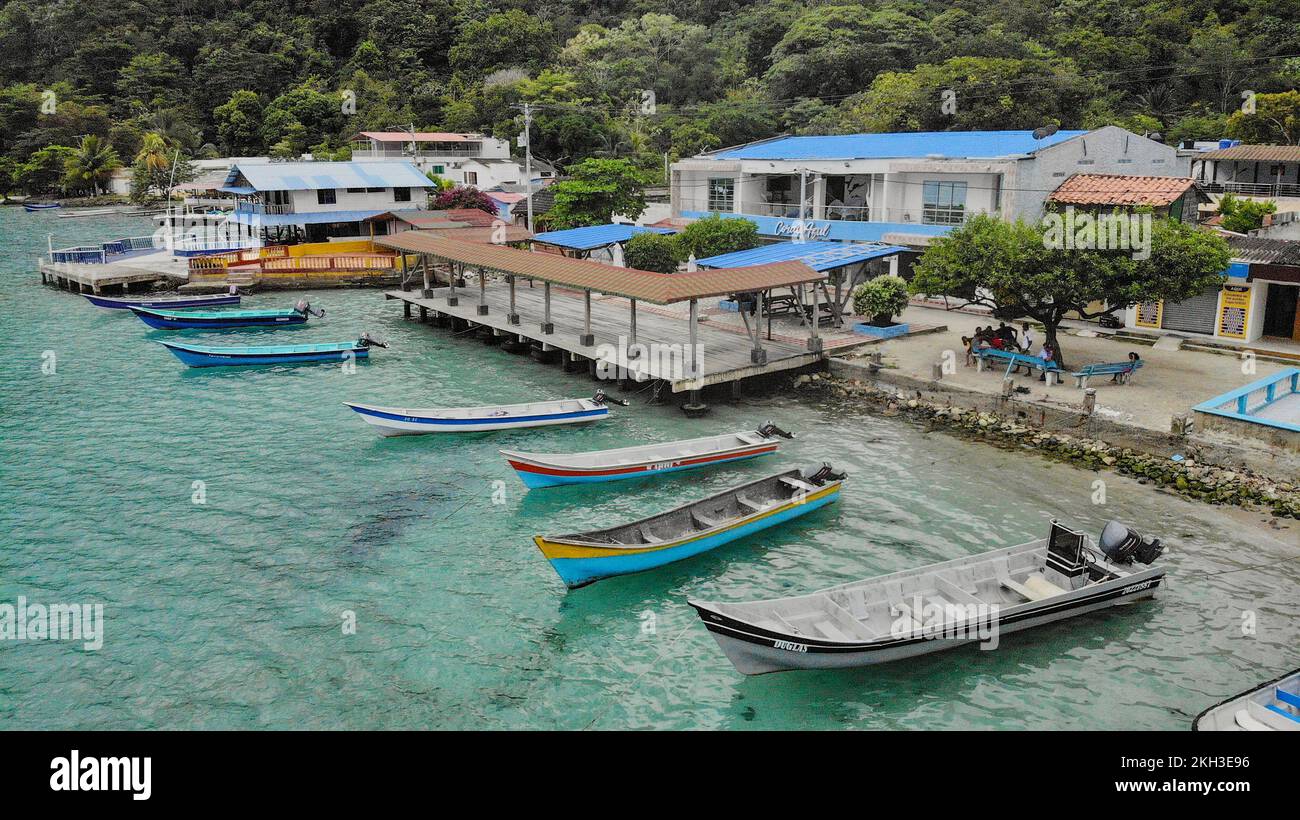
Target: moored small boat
x=163 y=303
x=1273 y=706
x=553 y=469
x=225 y=356
x=31 y=207
x=219 y=319
x=405 y=421
x=690 y=529
x=914 y=612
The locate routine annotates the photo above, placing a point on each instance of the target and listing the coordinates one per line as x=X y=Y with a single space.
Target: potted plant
x=879 y=300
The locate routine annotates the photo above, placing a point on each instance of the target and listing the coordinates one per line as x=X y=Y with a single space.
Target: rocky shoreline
x=1200 y=481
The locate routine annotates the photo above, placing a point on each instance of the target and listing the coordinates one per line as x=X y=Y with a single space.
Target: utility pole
x=528 y=160
x=803 y=202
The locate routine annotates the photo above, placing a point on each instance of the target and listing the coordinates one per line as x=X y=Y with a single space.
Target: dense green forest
x=140 y=79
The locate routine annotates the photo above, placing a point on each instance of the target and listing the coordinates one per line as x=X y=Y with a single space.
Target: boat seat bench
x=1035 y=588
x=1286 y=697
x=796 y=484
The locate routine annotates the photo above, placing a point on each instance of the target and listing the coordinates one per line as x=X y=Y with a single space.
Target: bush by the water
x=880 y=299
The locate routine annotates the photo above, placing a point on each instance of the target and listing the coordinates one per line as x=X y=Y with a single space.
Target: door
x=1194 y=315
x=1281 y=316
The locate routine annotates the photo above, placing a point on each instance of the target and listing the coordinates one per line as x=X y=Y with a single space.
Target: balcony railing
x=262 y=208
x=1283 y=189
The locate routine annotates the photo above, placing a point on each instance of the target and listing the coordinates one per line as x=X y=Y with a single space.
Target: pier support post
x=632 y=352
x=405 y=284
x=587 y=339
x=694 y=408
x=692 y=367
x=406 y=309
x=814 y=340
x=548 y=326
x=482 y=293
x=424 y=314
x=758 y=355
x=452 y=299
x=512 y=317
x=428 y=275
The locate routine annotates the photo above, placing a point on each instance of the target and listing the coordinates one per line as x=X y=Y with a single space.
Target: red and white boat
x=553 y=469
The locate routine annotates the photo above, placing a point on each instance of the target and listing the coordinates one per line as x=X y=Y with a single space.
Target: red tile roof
x=1255 y=153
x=470 y=216
x=1118 y=189
x=585 y=274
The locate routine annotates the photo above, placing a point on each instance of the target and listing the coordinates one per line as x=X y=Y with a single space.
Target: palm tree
x=153 y=154
x=92 y=166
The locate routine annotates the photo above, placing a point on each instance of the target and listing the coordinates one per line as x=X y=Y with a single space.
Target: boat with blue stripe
x=220 y=319
x=539 y=470
x=32 y=207
x=690 y=529
x=167 y=303
x=405 y=421
x=1273 y=706
x=225 y=356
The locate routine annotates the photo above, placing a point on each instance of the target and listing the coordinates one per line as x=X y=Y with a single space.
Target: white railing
x=1283 y=189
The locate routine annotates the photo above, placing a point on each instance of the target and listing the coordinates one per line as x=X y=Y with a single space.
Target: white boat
x=968 y=600
x=406 y=421
x=553 y=469
x=1273 y=706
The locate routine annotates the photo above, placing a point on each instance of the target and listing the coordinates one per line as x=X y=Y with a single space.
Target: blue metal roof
x=919 y=145
x=595 y=236
x=313 y=218
x=844 y=230
x=820 y=256
x=312 y=176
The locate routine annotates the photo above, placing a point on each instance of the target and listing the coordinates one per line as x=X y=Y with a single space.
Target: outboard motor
x=304 y=307
x=770 y=430
x=1124 y=545
x=602 y=398
x=826 y=473
x=367 y=340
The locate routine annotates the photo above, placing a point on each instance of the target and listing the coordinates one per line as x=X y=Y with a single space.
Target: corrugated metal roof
x=420 y=136
x=820 y=256
x=595 y=236
x=1120 y=189
x=1265 y=251
x=656 y=288
x=470 y=216
x=919 y=145
x=312 y=176
x=313 y=218
x=1255 y=153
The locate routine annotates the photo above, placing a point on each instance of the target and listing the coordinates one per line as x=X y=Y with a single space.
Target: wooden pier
x=120 y=275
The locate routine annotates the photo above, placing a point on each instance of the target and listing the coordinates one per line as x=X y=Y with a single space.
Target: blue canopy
x=595 y=236
x=820 y=256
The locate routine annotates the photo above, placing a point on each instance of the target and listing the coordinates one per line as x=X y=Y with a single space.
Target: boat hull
x=395 y=424
x=162 y=304
x=162 y=322
x=1256 y=709
x=208 y=358
x=579 y=565
x=536 y=476
x=33 y=208
x=754 y=650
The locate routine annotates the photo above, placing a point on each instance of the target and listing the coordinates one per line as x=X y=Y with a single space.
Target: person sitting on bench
x=1047 y=355
x=1134 y=363
x=1008 y=336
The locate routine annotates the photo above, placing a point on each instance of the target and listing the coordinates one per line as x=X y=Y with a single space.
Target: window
x=471 y=177
x=374 y=190
x=439 y=169
x=1087 y=162
x=722 y=194
x=326 y=196
x=356 y=190
x=944 y=203
x=401 y=194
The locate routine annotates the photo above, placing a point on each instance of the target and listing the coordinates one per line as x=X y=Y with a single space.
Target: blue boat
x=31 y=207
x=207 y=356
x=168 y=303
x=691 y=529
x=218 y=319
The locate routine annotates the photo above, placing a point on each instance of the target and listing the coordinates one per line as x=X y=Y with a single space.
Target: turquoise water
x=229 y=614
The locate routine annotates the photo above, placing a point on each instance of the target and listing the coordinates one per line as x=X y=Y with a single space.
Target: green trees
x=880 y=299
x=595 y=191
x=90 y=168
x=654 y=252
x=714 y=235
x=1244 y=215
x=239 y=123
x=1017 y=270
x=44 y=170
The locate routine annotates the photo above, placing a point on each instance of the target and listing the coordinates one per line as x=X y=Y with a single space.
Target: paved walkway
x=1169 y=383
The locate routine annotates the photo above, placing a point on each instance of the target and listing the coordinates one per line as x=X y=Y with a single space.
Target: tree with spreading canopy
x=596 y=191
x=1017 y=270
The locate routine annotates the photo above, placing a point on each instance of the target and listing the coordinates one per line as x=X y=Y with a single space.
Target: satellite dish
x=1045 y=132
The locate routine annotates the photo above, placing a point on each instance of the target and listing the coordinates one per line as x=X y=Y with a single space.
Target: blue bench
x=1122 y=369
x=991 y=354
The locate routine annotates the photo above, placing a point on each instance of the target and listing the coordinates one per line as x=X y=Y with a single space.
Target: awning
x=820 y=256
x=584 y=274
x=237 y=189
x=595 y=236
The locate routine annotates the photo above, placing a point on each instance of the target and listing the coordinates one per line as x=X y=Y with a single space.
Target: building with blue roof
x=902 y=188
x=316 y=201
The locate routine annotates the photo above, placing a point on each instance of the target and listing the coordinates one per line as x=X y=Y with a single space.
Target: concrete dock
x=119 y=275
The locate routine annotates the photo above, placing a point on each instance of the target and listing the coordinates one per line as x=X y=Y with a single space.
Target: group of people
x=1005 y=337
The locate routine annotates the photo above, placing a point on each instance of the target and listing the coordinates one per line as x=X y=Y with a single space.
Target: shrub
x=715 y=235
x=880 y=299
x=654 y=252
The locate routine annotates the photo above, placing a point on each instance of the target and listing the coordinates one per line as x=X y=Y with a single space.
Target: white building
x=464 y=158
x=902 y=188
x=316 y=201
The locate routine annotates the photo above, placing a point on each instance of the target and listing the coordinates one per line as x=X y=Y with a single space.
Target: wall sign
x=1234 y=311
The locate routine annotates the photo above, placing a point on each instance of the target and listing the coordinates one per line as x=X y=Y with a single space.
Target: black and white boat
x=914 y=612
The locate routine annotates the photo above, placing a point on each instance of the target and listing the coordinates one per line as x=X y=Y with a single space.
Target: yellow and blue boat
x=691 y=529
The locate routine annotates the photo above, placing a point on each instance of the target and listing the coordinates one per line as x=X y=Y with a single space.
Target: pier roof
x=584 y=274
x=820 y=256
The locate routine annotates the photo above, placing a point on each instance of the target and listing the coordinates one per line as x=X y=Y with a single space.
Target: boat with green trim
x=220 y=319
x=209 y=356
